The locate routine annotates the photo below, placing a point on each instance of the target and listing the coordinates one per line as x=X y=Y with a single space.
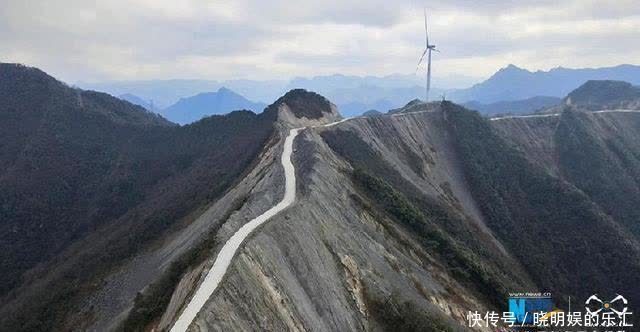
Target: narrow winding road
x=558 y=114
x=228 y=251
x=223 y=260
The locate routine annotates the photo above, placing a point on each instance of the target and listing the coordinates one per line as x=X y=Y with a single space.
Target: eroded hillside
x=410 y=220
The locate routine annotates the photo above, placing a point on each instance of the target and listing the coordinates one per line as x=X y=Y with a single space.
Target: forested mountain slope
x=78 y=164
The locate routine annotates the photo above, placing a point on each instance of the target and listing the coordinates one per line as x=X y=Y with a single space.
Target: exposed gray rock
x=316 y=265
x=307 y=267
x=310 y=266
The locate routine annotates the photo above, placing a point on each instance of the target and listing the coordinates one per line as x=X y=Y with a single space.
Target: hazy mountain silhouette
x=514 y=83
x=355 y=94
x=165 y=93
x=191 y=109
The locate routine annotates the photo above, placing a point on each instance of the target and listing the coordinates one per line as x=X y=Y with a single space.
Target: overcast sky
x=259 y=39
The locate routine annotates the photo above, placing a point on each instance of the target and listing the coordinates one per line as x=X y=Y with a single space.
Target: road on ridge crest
x=228 y=251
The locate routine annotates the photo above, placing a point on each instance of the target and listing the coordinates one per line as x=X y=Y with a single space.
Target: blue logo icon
x=523 y=307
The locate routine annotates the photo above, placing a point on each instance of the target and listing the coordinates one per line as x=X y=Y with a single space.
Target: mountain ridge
x=357 y=94
x=90 y=180
x=20 y=79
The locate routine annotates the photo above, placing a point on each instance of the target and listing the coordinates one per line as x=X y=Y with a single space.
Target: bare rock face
x=333 y=261
x=321 y=264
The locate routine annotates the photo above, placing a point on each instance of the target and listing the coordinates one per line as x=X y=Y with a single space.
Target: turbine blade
x=421 y=58
x=426 y=32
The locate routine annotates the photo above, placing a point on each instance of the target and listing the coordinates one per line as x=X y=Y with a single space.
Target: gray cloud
x=144 y=39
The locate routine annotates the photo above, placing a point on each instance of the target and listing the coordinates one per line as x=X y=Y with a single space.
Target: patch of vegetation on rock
x=303 y=103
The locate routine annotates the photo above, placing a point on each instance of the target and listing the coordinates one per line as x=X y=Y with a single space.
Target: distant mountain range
x=165 y=93
x=513 y=83
x=194 y=108
x=354 y=95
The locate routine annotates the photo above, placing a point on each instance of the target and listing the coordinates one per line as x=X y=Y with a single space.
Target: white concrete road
x=557 y=114
x=524 y=116
x=223 y=260
x=228 y=251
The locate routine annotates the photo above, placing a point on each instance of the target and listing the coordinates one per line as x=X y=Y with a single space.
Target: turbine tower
x=428 y=49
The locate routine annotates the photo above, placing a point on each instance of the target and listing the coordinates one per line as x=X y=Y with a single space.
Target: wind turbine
x=428 y=50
